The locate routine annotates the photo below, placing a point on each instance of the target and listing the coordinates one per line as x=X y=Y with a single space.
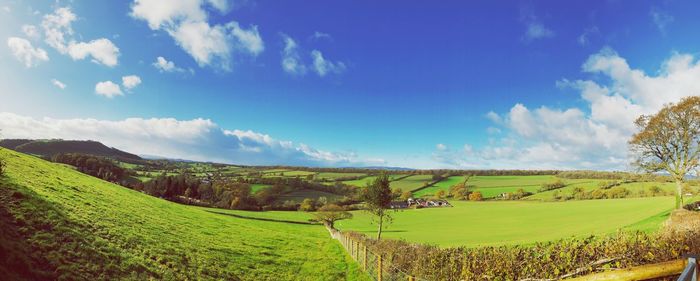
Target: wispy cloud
x=292 y=61
x=661 y=19
x=58 y=84
x=24 y=52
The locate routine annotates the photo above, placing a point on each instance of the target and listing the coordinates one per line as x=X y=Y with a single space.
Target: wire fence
x=377 y=266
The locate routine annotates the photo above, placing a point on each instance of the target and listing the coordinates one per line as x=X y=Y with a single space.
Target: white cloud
x=101 y=50
x=23 y=51
x=131 y=81
x=585 y=37
x=31 y=31
x=536 y=30
x=320 y=35
x=591 y=138
x=57 y=26
x=108 y=89
x=196 y=139
x=291 y=61
x=58 y=84
x=58 y=34
x=440 y=146
x=163 y=65
x=186 y=22
x=661 y=19
x=323 y=66
x=248 y=40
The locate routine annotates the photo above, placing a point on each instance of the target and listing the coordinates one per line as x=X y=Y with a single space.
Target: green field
x=442 y=185
x=335 y=176
x=363 y=181
x=411 y=183
x=517 y=222
x=56 y=222
x=299 y=195
x=588 y=185
x=257 y=187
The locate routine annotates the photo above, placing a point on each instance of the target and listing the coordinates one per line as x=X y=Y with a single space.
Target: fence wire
x=376 y=266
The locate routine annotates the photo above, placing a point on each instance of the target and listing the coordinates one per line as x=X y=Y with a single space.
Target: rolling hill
x=48 y=148
x=59 y=224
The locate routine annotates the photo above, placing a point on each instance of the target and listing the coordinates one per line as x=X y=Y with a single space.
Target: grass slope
x=517 y=222
x=58 y=224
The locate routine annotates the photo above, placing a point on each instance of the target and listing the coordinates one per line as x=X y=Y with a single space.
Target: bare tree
x=669 y=141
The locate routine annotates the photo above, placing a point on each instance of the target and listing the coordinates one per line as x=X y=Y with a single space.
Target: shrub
x=2 y=166
x=476 y=196
x=307 y=205
x=552 y=185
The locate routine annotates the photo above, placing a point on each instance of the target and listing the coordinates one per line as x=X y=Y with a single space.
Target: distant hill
x=49 y=148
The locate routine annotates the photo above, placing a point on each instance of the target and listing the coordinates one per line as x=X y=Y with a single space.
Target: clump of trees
x=552 y=185
x=669 y=141
x=330 y=213
x=96 y=166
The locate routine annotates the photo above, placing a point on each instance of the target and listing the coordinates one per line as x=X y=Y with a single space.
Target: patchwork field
x=517 y=222
x=411 y=183
x=300 y=195
x=442 y=185
x=56 y=222
x=363 y=181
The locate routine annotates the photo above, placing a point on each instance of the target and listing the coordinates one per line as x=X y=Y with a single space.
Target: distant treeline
x=626 y=176
x=236 y=193
x=96 y=166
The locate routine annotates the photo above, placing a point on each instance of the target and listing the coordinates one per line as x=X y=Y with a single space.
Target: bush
x=2 y=166
x=476 y=196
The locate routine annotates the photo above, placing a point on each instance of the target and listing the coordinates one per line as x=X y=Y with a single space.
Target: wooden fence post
x=379 y=268
x=364 y=260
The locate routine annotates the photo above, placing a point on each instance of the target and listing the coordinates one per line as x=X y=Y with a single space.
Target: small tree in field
x=377 y=196
x=330 y=213
x=307 y=205
x=669 y=141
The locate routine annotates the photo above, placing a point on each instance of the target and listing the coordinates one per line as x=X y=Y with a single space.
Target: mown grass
x=516 y=222
x=59 y=224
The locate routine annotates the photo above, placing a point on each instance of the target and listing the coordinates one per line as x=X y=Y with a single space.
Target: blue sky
x=453 y=84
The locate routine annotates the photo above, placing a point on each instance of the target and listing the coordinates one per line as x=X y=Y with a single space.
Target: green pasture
x=299 y=195
x=492 y=223
x=445 y=185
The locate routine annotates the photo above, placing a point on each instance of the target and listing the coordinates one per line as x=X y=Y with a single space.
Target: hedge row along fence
x=556 y=260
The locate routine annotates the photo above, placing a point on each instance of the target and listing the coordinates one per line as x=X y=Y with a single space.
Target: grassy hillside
x=56 y=223
x=517 y=222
